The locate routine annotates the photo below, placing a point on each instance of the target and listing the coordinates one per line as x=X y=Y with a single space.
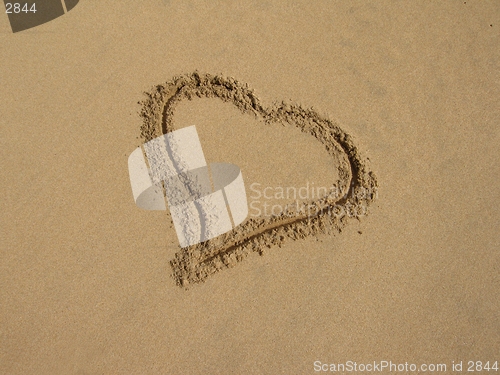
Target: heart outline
x=195 y=263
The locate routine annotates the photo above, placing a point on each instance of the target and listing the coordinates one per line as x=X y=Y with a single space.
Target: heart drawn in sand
x=327 y=214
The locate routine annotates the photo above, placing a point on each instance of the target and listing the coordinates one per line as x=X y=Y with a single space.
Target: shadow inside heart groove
x=329 y=214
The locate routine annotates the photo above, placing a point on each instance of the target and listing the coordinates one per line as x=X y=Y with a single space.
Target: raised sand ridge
x=329 y=214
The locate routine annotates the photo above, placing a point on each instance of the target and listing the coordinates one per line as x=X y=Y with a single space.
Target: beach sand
x=88 y=281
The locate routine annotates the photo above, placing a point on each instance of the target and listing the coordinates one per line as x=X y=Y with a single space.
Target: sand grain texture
x=85 y=275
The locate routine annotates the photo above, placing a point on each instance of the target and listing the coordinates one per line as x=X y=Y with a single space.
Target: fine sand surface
x=397 y=97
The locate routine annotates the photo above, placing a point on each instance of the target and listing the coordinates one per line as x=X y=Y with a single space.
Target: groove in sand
x=195 y=263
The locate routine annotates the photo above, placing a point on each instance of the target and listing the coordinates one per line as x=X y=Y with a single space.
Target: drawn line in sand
x=193 y=264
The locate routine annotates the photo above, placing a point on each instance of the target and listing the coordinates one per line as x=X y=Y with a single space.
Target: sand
x=394 y=94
